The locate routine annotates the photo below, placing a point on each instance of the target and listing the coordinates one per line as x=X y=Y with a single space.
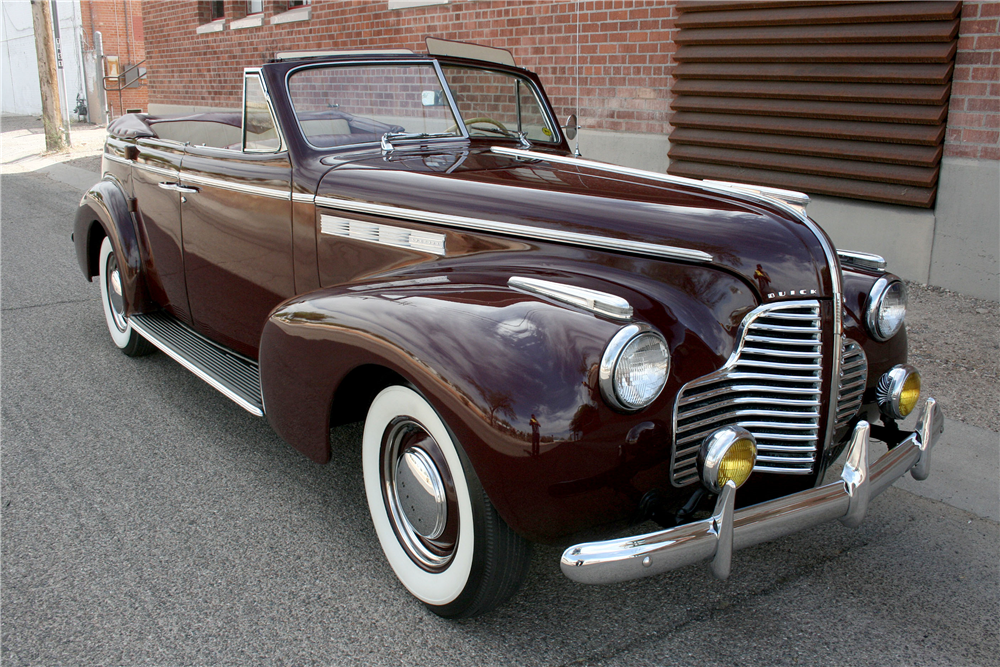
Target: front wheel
x=113 y=300
x=440 y=533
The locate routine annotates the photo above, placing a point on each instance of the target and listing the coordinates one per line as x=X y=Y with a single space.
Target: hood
x=775 y=253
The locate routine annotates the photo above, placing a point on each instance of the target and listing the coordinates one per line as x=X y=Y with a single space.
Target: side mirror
x=570 y=128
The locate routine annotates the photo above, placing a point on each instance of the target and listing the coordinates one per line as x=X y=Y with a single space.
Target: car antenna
x=576 y=150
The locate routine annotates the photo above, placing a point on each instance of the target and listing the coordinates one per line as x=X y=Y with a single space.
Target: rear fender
x=104 y=211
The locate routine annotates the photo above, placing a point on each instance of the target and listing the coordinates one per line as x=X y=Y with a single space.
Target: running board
x=237 y=377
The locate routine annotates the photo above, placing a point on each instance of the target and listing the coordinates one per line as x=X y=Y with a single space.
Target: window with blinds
x=834 y=98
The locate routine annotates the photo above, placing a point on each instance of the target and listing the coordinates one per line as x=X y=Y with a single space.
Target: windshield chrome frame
x=464 y=135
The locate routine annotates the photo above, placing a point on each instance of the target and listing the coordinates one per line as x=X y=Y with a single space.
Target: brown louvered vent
x=834 y=98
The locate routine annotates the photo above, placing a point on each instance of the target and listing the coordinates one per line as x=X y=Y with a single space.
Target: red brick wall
x=120 y=25
x=974 y=112
x=625 y=48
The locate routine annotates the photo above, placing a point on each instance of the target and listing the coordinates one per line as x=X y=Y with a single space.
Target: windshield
x=356 y=104
x=496 y=103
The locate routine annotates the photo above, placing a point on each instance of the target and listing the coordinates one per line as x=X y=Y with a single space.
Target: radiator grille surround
x=772 y=385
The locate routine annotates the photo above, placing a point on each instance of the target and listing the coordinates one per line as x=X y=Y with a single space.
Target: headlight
x=729 y=454
x=898 y=391
x=886 y=308
x=634 y=367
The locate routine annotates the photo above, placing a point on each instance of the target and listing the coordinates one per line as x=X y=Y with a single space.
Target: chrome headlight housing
x=886 y=308
x=634 y=367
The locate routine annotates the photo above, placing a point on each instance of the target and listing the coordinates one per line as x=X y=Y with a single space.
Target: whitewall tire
x=113 y=303
x=438 y=530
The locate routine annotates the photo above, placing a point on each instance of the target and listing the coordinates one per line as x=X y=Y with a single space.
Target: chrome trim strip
x=397 y=237
x=602 y=303
x=115 y=158
x=236 y=187
x=221 y=388
x=303 y=198
x=791 y=197
x=523 y=231
x=726 y=531
x=862 y=260
x=159 y=171
x=293 y=55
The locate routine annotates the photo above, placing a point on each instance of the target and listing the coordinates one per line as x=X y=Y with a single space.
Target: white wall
x=19 y=92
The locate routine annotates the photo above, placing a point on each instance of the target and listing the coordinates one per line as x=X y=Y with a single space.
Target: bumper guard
x=726 y=530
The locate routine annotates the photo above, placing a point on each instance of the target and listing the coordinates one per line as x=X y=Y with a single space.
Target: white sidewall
x=120 y=338
x=433 y=588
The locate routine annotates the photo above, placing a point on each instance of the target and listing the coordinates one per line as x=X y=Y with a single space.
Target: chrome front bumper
x=726 y=530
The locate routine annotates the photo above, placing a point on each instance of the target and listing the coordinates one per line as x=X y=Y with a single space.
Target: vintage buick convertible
x=542 y=347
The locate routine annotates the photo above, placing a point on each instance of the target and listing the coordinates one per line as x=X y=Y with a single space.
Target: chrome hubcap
x=419 y=493
x=115 y=297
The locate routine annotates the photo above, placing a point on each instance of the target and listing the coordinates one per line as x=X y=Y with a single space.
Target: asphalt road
x=146 y=519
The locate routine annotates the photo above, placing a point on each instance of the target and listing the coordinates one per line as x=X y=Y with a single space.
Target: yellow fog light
x=727 y=454
x=898 y=391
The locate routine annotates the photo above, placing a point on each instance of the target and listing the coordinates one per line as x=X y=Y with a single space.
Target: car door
x=156 y=191
x=236 y=211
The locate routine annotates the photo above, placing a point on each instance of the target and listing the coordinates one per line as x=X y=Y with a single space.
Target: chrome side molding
x=726 y=531
x=519 y=231
x=601 y=303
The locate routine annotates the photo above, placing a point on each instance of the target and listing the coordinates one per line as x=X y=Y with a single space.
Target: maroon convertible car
x=542 y=347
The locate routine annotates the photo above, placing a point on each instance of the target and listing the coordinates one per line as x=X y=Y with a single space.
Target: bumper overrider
x=716 y=537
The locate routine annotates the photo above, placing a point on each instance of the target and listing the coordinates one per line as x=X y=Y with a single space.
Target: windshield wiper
x=388 y=137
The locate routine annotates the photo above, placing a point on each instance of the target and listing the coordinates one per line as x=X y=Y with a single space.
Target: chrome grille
x=853 y=377
x=770 y=386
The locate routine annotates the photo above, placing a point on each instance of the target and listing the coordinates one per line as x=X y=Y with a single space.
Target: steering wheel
x=481 y=119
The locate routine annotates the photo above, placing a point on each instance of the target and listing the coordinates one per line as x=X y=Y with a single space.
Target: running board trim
x=233 y=375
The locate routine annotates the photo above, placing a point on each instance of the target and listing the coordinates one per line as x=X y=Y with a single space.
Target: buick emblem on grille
x=793 y=292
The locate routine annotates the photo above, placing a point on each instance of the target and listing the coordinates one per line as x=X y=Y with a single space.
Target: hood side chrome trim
x=601 y=303
x=523 y=231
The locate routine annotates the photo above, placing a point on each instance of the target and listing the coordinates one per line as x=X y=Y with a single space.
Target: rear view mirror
x=432 y=98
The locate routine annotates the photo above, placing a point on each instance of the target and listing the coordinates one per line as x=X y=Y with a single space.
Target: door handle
x=177 y=187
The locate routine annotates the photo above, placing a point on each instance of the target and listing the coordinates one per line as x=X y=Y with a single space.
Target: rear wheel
x=113 y=301
x=437 y=527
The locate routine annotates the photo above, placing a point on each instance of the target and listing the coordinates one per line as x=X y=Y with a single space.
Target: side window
x=259 y=133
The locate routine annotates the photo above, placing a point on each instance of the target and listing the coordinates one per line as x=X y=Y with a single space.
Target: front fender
x=513 y=376
x=104 y=211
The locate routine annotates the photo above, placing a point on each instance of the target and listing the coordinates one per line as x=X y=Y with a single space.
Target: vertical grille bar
x=771 y=386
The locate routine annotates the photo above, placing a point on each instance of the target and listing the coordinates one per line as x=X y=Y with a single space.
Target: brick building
x=887 y=113
x=124 y=51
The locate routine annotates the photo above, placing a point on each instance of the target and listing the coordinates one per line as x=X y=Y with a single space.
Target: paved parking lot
x=146 y=519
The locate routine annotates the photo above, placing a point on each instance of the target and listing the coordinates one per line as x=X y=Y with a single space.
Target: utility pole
x=41 y=19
